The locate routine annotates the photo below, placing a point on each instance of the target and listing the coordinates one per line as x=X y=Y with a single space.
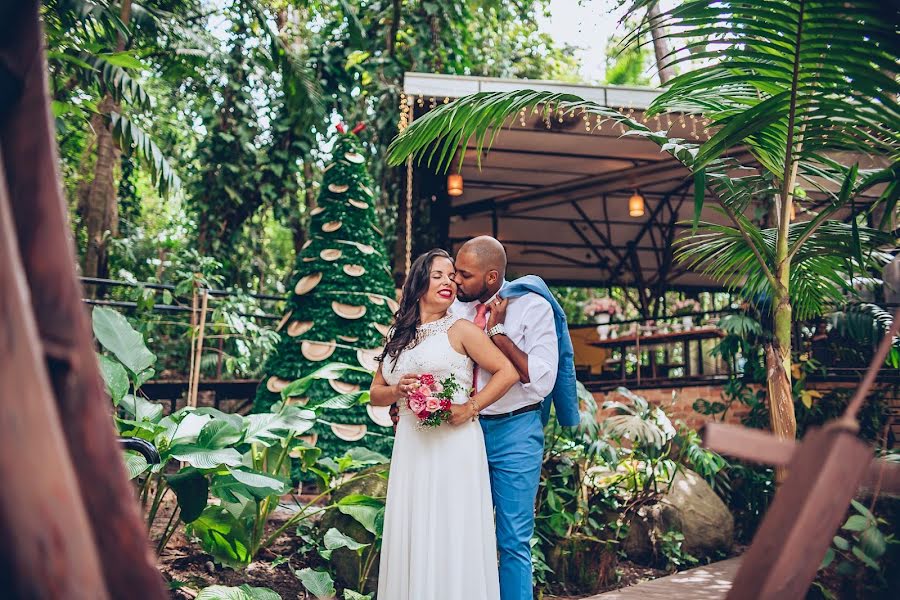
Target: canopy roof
x=556 y=192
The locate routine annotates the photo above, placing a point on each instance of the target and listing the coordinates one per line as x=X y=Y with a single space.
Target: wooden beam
x=755 y=445
x=49 y=549
x=647 y=224
x=824 y=475
x=28 y=146
x=594 y=184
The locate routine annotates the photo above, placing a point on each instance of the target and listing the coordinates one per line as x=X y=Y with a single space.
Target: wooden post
x=28 y=147
x=193 y=351
x=49 y=550
x=195 y=375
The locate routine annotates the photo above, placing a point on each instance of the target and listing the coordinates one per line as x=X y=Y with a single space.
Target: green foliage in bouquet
x=341 y=306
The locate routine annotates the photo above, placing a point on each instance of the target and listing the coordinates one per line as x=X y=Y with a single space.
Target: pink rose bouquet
x=431 y=399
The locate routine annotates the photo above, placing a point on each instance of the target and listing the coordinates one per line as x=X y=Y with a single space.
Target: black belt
x=515 y=413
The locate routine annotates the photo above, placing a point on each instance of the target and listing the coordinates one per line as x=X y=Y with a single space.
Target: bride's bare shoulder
x=462 y=331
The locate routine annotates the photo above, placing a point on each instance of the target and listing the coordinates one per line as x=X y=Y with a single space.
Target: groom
x=527 y=324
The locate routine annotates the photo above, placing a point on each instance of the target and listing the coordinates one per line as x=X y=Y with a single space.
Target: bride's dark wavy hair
x=403 y=332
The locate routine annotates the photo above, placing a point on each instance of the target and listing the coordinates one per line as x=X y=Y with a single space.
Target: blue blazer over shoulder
x=564 y=396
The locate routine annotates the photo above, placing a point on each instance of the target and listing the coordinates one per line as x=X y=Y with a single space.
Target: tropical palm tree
x=793 y=83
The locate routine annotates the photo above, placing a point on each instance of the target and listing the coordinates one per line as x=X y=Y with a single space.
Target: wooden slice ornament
x=306 y=284
x=327 y=167
x=377 y=230
x=310 y=440
x=338 y=188
x=275 y=384
x=358 y=204
x=317 y=211
x=342 y=387
x=356 y=159
x=354 y=270
x=377 y=300
x=317 y=351
x=306 y=244
x=330 y=254
x=348 y=311
x=349 y=433
x=382 y=329
x=367 y=358
x=309 y=259
x=331 y=226
x=367 y=191
x=284 y=320
x=298 y=328
x=392 y=304
x=365 y=248
x=348 y=338
x=380 y=415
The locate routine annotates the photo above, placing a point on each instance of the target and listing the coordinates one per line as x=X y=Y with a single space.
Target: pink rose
x=427 y=379
x=416 y=403
x=424 y=390
x=432 y=404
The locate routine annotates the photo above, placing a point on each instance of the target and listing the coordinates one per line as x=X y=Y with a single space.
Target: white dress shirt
x=530 y=326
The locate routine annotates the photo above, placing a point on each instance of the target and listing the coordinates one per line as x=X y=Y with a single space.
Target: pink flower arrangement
x=431 y=400
x=596 y=306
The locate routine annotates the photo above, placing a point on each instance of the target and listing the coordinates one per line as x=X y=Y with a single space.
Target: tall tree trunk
x=778 y=355
x=660 y=47
x=100 y=204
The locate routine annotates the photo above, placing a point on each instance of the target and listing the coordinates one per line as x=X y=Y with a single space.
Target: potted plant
x=686 y=309
x=602 y=311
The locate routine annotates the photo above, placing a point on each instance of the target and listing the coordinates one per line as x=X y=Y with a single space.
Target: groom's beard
x=464 y=296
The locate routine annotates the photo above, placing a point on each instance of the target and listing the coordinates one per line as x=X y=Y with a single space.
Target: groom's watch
x=497 y=329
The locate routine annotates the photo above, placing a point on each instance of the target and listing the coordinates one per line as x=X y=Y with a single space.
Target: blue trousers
x=515 y=448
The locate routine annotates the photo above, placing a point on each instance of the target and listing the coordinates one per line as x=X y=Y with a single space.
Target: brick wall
x=678 y=402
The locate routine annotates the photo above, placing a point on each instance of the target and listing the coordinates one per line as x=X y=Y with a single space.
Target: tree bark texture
x=660 y=47
x=101 y=204
x=65 y=354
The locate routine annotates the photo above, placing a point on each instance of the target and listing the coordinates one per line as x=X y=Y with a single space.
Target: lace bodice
x=432 y=353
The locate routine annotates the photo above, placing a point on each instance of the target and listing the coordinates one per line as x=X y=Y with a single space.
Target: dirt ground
x=187 y=569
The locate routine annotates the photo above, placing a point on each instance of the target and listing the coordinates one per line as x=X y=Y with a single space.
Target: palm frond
x=444 y=132
x=739 y=325
x=820 y=270
x=803 y=76
x=115 y=79
x=129 y=135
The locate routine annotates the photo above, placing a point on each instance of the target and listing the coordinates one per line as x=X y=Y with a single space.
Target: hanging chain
x=406 y=116
x=409 y=208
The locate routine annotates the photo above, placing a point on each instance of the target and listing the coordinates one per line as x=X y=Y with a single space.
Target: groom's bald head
x=480 y=268
x=487 y=252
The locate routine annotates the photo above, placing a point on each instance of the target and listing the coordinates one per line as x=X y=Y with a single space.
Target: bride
x=439 y=538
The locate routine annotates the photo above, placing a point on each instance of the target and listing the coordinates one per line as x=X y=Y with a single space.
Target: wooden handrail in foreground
x=72 y=521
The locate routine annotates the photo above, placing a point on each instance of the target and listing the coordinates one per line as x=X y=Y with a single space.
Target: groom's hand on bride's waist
x=462 y=413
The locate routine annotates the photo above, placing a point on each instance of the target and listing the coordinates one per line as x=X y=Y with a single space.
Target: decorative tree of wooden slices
x=341 y=308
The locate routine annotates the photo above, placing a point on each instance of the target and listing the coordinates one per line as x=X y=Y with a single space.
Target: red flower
x=426 y=379
x=445 y=404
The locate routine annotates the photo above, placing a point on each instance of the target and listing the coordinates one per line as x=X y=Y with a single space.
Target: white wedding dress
x=439 y=538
